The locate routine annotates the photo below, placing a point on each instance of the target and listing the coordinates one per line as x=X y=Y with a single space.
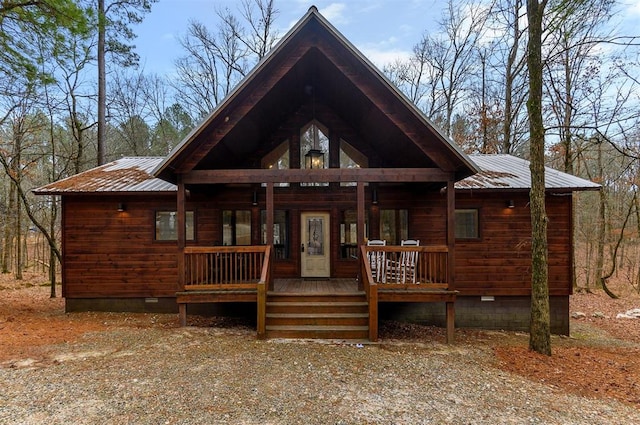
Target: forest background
x=73 y=96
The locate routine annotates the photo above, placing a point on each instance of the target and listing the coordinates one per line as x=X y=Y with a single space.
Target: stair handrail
x=263 y=284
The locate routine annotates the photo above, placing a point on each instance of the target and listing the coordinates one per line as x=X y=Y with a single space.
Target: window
x=351 y=158
x=167 y=226
x=349 y=234
x=280 y=232
x=394 y=226
x=314 y=138
x=236 y=227
x=467 y=224
x=277 y=159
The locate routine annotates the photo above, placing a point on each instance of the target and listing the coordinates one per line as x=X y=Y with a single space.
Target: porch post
x=451 y=232
x=269 y=223
x=360 y=226
x=451 y=243
x=181 y=222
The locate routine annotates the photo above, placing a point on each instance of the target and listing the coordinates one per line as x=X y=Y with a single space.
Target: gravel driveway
x=200 y=375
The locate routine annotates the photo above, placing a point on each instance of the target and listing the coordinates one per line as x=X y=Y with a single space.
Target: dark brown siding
x=498 y=263
x=114 y=254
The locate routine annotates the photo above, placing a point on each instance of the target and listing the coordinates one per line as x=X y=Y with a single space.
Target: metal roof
x=129 y=174
x=500 y=172
x=135 y=174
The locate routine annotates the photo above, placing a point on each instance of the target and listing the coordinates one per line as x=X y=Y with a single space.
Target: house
x=267 y=205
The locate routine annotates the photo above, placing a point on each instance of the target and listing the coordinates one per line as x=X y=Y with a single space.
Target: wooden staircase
x=341 y=316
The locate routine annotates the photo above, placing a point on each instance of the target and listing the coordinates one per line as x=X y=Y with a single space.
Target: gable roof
x=347 y=89
x=134 y=175
x=125 y=175
x=499 y=172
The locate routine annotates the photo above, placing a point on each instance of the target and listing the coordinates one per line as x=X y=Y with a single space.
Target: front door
x=315 y=245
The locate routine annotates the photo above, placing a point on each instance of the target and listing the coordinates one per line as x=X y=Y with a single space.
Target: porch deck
x=315 y=286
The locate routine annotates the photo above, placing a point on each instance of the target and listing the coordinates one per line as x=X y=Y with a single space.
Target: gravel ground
x=203 y=375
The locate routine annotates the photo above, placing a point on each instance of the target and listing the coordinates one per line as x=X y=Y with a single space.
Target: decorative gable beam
x=328 y=175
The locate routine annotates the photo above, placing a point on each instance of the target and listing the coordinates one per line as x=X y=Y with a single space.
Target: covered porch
x=334 y=308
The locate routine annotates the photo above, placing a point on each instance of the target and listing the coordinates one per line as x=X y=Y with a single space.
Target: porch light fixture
x=374 y=197
x=254 y=199
x=121 y=207
x=511 y=204
x=314 y=159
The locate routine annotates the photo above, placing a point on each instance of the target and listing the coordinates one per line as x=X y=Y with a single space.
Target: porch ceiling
x=314 y=88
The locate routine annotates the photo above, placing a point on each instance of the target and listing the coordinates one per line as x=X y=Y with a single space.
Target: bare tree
x=114 y=32
x=215 y=62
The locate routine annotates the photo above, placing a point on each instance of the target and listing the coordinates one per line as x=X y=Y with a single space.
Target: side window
x=236 y=227
x=349 y=234
x=167 y=226
x=467 y=224
x=394 y=226
x=280 y=232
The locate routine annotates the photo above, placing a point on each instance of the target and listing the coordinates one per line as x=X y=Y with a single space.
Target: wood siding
x=113 y=254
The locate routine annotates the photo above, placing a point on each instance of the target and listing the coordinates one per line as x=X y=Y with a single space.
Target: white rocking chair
x=403 y=268
x=377 y=260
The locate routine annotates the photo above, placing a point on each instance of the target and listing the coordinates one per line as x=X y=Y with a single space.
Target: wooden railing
x=223 y=267
x=227 y=270
x=408 y=265
x=407 y=269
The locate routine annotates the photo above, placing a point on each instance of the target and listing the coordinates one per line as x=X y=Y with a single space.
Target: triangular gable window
x=278 y=159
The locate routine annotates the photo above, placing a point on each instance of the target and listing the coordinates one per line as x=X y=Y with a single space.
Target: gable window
x=314 y=149
x=167 y=226
x=351 y=158
x=394 y=226
x=467 y=224
x=277 y=159
x=236 y=227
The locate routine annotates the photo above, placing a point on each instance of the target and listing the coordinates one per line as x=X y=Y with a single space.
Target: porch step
x=326 y=316
x=319 y=332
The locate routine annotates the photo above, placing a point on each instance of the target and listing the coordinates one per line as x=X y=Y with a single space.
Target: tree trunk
x=102 y=86
x=8 y=235
x=540 y=333
x=52 y=254
x=602 y=222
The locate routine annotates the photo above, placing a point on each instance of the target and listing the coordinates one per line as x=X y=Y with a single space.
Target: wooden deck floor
x=319 y=286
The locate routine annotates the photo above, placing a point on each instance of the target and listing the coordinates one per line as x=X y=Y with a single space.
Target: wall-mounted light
x=374 y=197
x=254 y=199
x=121 y=207
x=511 y=204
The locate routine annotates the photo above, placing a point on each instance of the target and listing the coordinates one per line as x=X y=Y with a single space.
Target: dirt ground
x=601 y=358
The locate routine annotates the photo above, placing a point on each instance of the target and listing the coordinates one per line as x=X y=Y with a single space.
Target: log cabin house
x=268 y=205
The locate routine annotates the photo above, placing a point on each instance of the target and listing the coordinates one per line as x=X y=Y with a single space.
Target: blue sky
x=383 y=30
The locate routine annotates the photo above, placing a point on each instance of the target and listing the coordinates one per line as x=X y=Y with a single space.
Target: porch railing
x=223 y=267
x=403 y=268
x=228 y=269
x=409 y=265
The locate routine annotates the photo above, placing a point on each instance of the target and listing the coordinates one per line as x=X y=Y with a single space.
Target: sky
x=382 y=30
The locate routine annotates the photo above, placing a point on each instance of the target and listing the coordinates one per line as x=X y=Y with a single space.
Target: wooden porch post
x=360 y=212
x=269 y=223
x=360 y=224
x=451 y=243
x=451 y=232
x=181 y=222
